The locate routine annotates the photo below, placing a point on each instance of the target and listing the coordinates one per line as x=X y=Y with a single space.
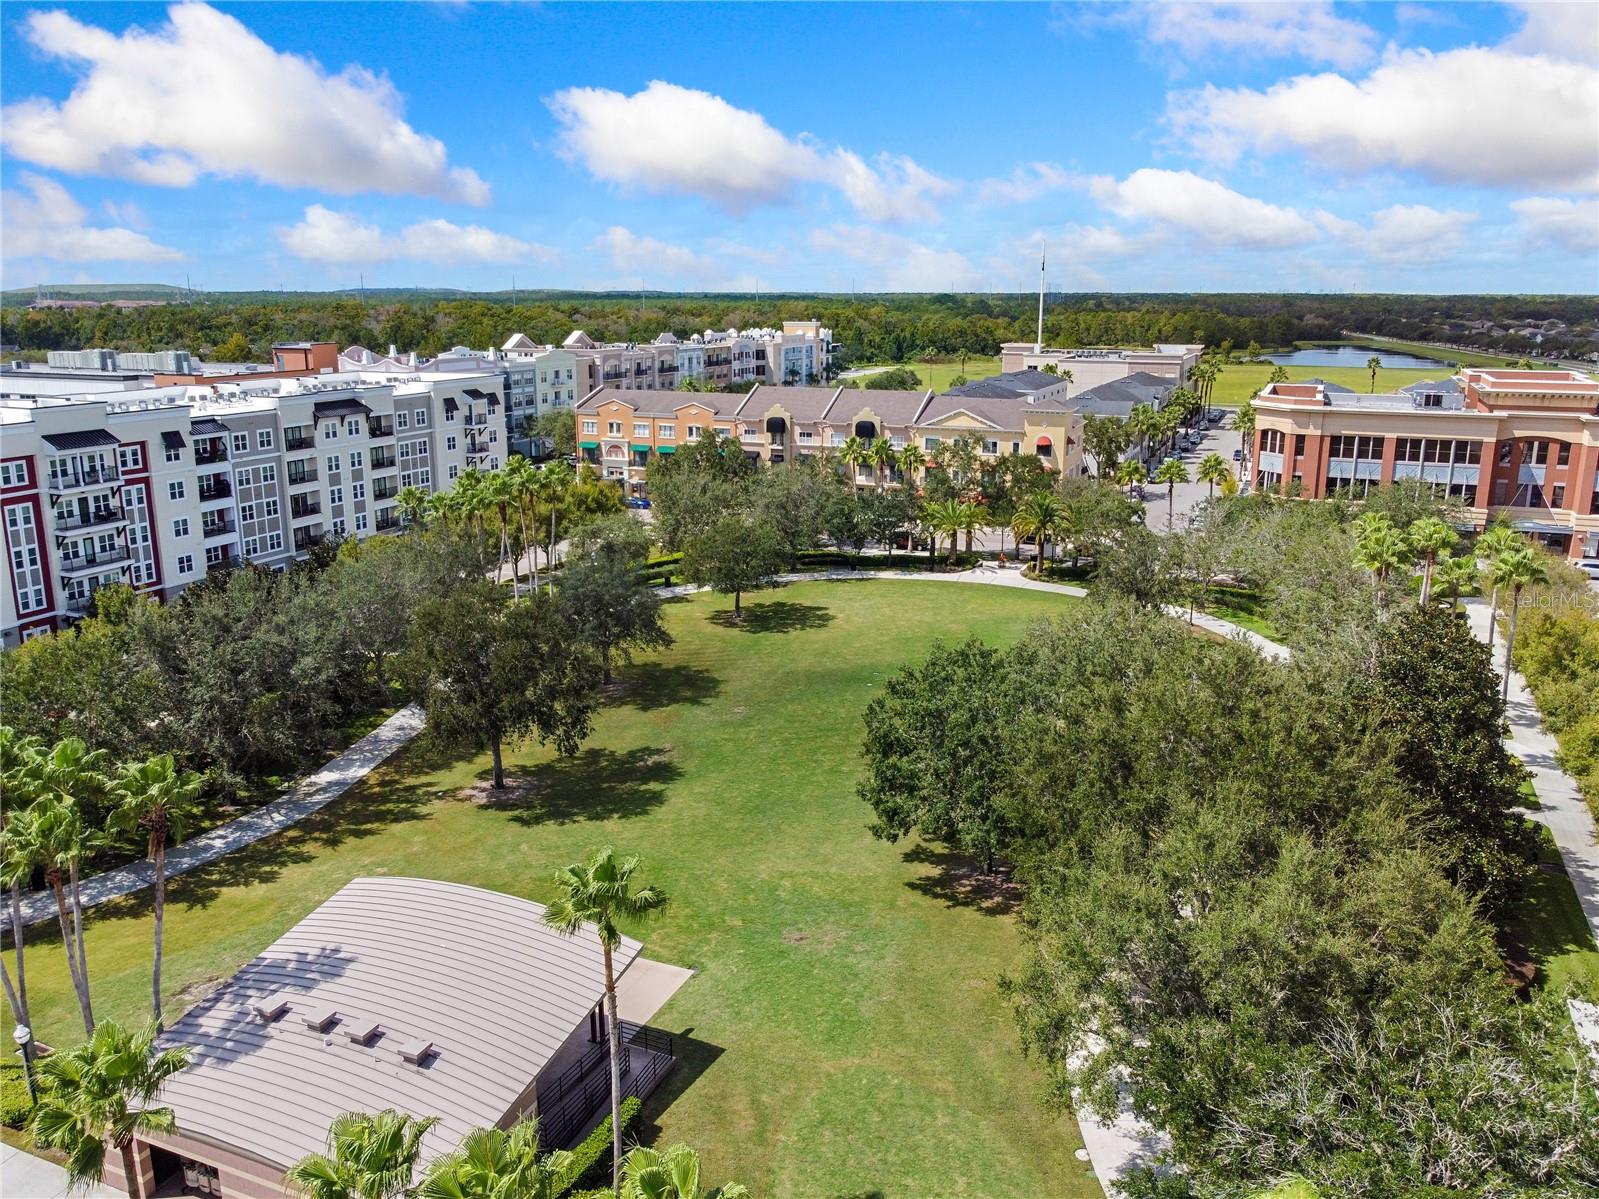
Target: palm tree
x=1516 y=569
x=1130 y=473
x=522 y=480
x=500 y=496
x=909 y=462
x=1496 y=540
x=1213 y=469
x=158 y=800
x=600 y=893
x=17 y=792
x=369 y=1157
x=1381 y=549
x=882 y=457
x=413 y=504
x=1374 y=364
x=853 y=454
x=946 y=518
x=1035 y=517
x=1143 y=422
x=553 y=486
x=1430 y=537
x=102 y=1093
x=493 y=1163
x=1171 y=472
x=1244 y=422
x=670 y=1174
x=1454 y=575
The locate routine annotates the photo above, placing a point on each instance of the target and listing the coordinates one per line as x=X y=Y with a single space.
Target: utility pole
x=513 y=291
x=362 y=276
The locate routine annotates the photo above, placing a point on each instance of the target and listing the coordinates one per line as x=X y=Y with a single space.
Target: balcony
x=216 y=488
x=614 y=376
x=69 y=520
x=79 y=564
x=476 y=421
x=387 y=519
x=380 y=428
x=300 y=509
x=107 y=476
x=223 y=563
x=216 y=528
x=382 y=459
x=205 y=455
x=667 y=369
x=385 y=489
x=299 y=441
x=306 y=474
x=304 y=539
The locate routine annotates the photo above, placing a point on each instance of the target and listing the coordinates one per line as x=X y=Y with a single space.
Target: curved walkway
x=309 y=795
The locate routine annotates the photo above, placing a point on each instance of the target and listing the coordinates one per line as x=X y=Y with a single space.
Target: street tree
x=604 y=596
x=735 y=553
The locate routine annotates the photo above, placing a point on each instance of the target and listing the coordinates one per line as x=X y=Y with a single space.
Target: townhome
x=619 y=428
x=1522 y=444
x=1006 y=426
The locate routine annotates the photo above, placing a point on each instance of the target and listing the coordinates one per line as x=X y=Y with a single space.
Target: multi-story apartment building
x=155 y=487
x=1091 y=366
x=618 y=429
x=1524 y=444
x=801 y=352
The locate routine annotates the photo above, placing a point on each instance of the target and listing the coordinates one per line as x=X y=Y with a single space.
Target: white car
x=1589 y=567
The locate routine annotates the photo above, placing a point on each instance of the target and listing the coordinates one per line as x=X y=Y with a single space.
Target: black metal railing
x=380 y=428
x=385 y=489
x=299 y=441
x=215 y=528
x=217 y=489
x=568 y=1102
x=71 y=519
x=205 y=456
x=309 y=508
x=387 y=520
x=89 y=477
x=304 y=539
x=382 y=459
x=93 y=559
x=305 y=475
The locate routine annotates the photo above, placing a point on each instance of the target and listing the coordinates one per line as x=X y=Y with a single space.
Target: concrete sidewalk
x=309 y=795
x=24 y=1176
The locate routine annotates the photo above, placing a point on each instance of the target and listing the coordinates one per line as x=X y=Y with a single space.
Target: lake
x=1354 y=356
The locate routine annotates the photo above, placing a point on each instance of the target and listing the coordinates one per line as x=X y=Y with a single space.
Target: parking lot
x=1189 y=496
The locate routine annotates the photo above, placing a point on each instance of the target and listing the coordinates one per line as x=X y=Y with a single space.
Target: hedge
x=15 y=1106
x=591 y=1161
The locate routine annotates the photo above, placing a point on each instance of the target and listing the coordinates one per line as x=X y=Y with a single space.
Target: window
x=668 y=432
x=494 y=436
x=930 y=443
x=1015 y=447
x=338 y=527
x=175 y=489
x=614 y=428
x=449 y=442
x=185 y=564
x=130 y=457
x=723 y=430
x=402 y=420
x=358 y=491
x=352 y=427
x=246 y=511
x=180 y=527
x=330 y=431
x=694 y=432
x=215 y=555
x=174 y=453
x=245 y=477
x=251 y=547
x=641 y=429
x=335 y=495
x=356 y=461
x=263 y=439
x=590 y=426
x=274 y=542
x=1299 y=445
x=806 y=437
x=13 y=474
x=269 y=474
x=335 y=464
x=360 y=522
x=454 y=470
x=990 y=447
x=1565 y=456
x=421 y=418
x=1504 y=453
x=241 y=443
x=269 y=509
x=1557 y=496
x=424 y=478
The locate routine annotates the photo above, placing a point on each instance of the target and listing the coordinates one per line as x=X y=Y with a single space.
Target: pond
x=1354 y=356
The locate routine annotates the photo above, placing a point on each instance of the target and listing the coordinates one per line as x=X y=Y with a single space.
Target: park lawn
x=844 y=1035
x=1240 y=381
x=940 y=376
x=1552 y=926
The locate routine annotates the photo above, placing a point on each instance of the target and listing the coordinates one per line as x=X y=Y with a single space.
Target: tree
x=673 y=1173
x=1496 y=540
x=1035 y=518
x=1379 y=547
x=886 y=514
x=1142 y=567
x=1213 y=470
x=1105 y=440
x=935 y=752
x=909 y=461
x=604 y=596
x=1432 y=692
x=412 y=502
x=1455 y=575
x=102 y=1094
x=793 y=497
x=1129 y=474
x=1279 y=374
x=882 y=455
x=1374 y=364
x=1430 y=537
x=846 y=522
x=17 y=793
x=735 y=554
x=600 y=892
x=370 y=1156
x=854 y=454
x=232 y=348
x=1171 y=472
x=948 y=518
x=154 y=801
x=488 y=670
x=496 y=1163
x=558 y=426
x=1244 y=422
x=1516 y=569
x=900 y=378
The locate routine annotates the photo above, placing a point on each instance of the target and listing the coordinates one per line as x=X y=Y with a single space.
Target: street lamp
x=23 y=1036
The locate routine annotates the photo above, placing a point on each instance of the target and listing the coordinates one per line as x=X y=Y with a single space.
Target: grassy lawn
x=940 y=376
x=1240 y=381
x=1247 y=609
x=843 y=1036
x=1554 y=929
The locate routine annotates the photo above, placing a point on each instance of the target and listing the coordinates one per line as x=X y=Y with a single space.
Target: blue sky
x=1180 y=147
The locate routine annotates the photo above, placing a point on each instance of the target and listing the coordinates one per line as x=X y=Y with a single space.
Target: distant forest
x=895 y=328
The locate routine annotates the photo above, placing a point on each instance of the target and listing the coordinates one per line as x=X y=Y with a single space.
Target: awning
x=473 y=393
x=640 y=449
x=1044 y=443
x=173 y=441
x=206 y=427
x=588 y=445
x=333 y=409
x=1540 y=526
x=666 y=449
x=83 y=439
x=450 y=405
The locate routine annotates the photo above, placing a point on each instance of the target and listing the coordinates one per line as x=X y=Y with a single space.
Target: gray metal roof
x=893 y=407
x=656 y=401
x=1007 y=414
x=801 y=403
x=1118 y=396
x=475 y=972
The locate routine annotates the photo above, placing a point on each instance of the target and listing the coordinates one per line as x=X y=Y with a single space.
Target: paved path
x=1561 y=806
x=24 y=1176
x=309 y=795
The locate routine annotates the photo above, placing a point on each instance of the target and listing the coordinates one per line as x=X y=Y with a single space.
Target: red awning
x=1044 y=443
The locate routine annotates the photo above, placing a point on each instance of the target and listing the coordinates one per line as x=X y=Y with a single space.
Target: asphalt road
x=1189 y=496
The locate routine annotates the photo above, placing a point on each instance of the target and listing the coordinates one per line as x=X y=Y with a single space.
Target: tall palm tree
x=853 y=454
x=946 y=518
x=1516 y=569
x=553 y=487
x=883 y=457
x=1143 y=422
x=412 y=502
x=1382 y=550
x=1454 y=575
x=600 y=892
x=1244 y=422
x=1374 y=364
x=49 y=835
x=1171 y=472
x=102 y=1094
x=495 y=1163
x=1035 y=517
x=370 y=1156
x=1496 y=540
x=155 y=799
x=1130 y=473
x=909 y=460
x=1213 y=469
x=17 y=791
x=500 y=496
x=1430 y=536
x=522 y=480
x=670 y=1174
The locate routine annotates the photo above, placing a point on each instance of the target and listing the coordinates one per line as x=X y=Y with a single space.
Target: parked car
x=1238 y=455
x=637 y=501
x=1589 y=567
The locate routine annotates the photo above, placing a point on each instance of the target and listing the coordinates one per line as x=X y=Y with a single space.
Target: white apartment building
x=156 y=487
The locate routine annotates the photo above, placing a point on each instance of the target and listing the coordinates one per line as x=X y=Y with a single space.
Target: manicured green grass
x=940 y=376
x=844 y=1035
x=1554 y=929
x=1240 y=381
x=1247 y=609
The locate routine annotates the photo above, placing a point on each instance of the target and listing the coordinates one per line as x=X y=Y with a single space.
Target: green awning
x=666 y=449
x=639 y=449
x=588 y=445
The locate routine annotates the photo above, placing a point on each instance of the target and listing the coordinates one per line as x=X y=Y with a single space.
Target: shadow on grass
x=694 y=1057
x=958 y=881
x=1549 y=922
x=651 y=685
x=593 y=784
x=774 y=616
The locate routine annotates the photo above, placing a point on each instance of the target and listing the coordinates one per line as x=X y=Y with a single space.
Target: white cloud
x=1311 y=31
x=1559 y=30
x=668 y=138
x=1203 y=207
x=1027 y=182
x=49 y=223
x=1571 y=224
x=126 y=213
x=638 y=256
x=895 y=262
x=1472 y=115
x=204 y=95
x=337 y=238
x=1403 y=233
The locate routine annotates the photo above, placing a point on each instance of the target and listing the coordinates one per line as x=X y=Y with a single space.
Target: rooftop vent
x=415 y=1050
x=360 y=1030
x=269 y=1008
x=319 y=1018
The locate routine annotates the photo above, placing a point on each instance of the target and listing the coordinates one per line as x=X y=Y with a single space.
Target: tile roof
x=892 y=407
x=801 y=403
x=663 y=402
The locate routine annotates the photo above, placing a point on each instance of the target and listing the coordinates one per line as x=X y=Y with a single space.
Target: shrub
x=15 y=1106
x=591 y=1160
